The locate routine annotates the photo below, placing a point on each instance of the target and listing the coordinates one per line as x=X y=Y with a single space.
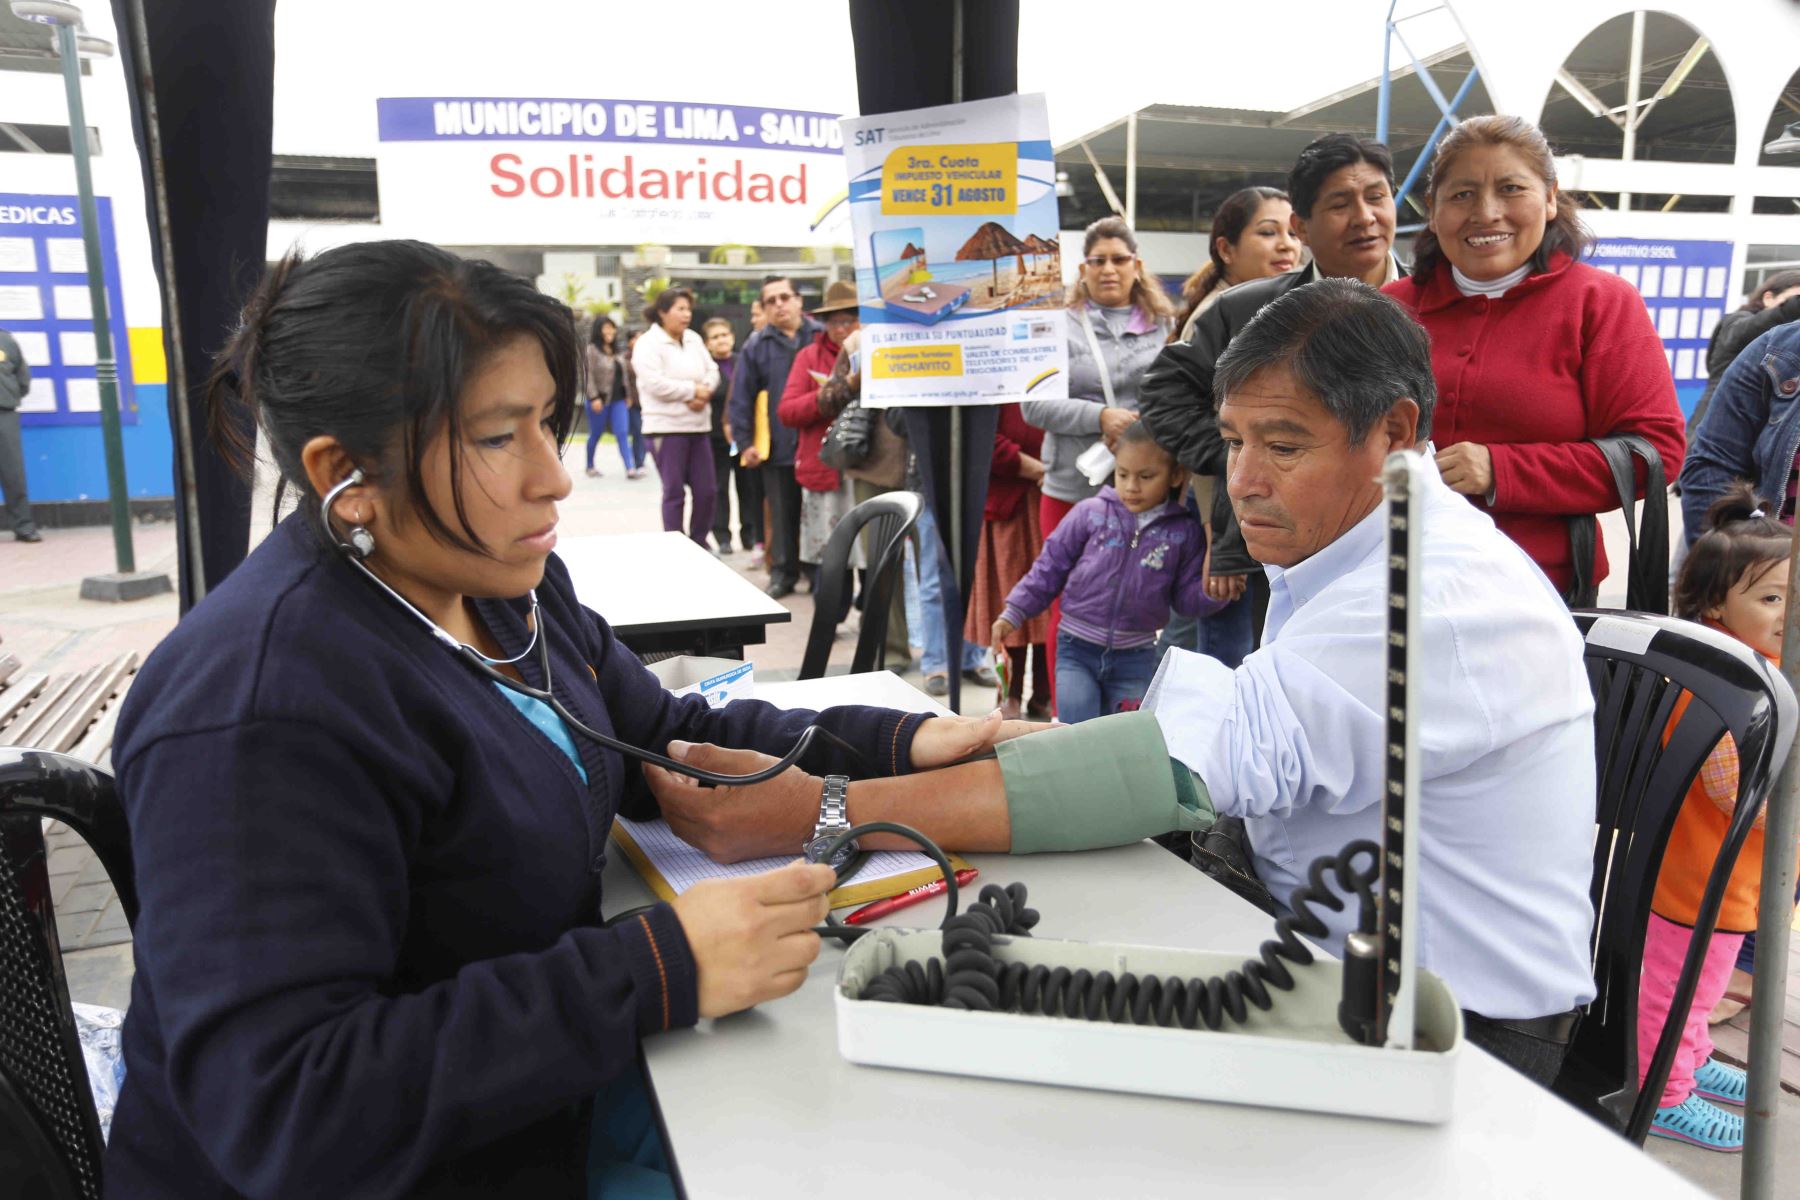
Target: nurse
x=369 y=957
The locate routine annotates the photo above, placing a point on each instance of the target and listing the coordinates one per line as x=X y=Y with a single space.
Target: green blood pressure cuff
x=1106 y=782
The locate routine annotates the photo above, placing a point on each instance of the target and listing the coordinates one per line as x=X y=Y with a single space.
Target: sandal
x=1698 y=1123
x=1721 y=1082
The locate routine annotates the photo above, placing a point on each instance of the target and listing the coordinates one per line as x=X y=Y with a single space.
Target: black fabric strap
x=1647 y=572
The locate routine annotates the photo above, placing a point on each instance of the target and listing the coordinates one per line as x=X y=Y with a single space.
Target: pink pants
x=1665 y=945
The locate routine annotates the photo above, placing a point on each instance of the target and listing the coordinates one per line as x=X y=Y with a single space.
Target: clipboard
x=670 y=866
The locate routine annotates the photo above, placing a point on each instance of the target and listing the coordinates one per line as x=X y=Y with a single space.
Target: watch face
x=815 y=850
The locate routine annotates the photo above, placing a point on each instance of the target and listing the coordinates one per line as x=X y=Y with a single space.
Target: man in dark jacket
x=1342 y=189
x=763 y=367
x=15 y=381
x=720 y=341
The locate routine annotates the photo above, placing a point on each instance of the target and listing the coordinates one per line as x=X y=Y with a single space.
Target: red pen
x=882 y=908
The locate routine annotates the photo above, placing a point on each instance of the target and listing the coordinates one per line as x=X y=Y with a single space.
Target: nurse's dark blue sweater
x=368 y=958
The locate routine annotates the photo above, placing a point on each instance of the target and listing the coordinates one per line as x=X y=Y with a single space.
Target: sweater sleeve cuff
x=667 y=981
x=1054 y=781
x=895 y=739
x=1501 y=464
x=1013 y=615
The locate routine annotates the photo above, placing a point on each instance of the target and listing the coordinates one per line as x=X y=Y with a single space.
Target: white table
x=662 y=593
x=762 y=1104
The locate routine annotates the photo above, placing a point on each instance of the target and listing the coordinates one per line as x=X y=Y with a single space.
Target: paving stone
x=66 y=859
x=86 y=897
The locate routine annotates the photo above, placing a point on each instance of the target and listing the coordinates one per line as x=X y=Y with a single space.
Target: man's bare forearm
x=960 y=808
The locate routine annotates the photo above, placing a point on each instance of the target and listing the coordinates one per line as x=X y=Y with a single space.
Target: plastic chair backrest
x=40 y=1052
x=1639 y=665
x=890 y=517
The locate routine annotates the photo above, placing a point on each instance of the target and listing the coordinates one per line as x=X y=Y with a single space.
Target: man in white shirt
x=1317 y=391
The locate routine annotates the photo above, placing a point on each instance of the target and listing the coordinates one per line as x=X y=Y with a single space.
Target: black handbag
x=850 y=439
x=1647 y=572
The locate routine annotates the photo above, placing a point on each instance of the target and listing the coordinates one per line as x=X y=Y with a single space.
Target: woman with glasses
x=1118 y=319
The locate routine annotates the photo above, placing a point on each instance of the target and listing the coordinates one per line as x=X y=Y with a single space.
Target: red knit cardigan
x=1562 y=357
x=1014 y=437
x=799 y=409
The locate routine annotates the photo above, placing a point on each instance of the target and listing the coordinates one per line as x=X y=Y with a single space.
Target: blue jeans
x=635 y=422
x=1092 y=681
x=614 y=417
x=1226 y=635
x=933 y=637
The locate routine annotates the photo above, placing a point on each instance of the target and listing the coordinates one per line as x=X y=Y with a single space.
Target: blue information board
x=45 y=305
x=1686 y=286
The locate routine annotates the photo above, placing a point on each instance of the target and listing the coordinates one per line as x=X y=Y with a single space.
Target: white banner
x=605 y=172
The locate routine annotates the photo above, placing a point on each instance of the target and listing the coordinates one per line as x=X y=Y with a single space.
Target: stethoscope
x=358 y=548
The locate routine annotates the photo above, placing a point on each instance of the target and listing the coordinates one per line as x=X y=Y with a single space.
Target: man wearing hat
x=764 y=366
x=825 y=495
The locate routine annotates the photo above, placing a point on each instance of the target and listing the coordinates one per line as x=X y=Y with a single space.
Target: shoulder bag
x=1647 y=571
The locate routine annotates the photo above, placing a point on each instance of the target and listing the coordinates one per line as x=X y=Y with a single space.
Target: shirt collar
x=1306 y=579
x=1310 y=271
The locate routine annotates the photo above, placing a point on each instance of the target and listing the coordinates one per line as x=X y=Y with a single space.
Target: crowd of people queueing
x=1113 y=528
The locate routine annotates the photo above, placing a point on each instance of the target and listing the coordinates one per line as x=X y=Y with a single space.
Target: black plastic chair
x=889 y=517
x=1639 y=666
x=47 y=1116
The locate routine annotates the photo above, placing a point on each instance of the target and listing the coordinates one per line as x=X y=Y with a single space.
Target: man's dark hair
x=1344 y=342
x=768 y=279
x=1322 y=156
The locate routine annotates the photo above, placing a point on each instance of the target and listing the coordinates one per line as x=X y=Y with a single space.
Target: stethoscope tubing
x=540 y=643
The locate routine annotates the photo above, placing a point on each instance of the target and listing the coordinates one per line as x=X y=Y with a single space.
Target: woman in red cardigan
x=1534 y=352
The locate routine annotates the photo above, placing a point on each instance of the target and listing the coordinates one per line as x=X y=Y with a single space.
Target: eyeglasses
x=1100 y=260
x=782 y=298
x=843 y=318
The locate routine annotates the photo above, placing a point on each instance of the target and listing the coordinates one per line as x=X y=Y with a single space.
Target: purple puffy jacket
x=1115 y=577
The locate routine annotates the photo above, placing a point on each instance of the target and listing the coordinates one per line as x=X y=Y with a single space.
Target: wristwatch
x=834 y=819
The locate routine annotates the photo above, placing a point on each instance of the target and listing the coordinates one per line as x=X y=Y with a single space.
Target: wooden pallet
x=71 y=714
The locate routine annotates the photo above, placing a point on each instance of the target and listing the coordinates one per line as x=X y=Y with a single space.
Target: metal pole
x=105 y=368
x=1424 y=159
x=180 y=415
x=1633 y=85
x=955 y=541
x=1384 y=93
x=1131 y=170
x=1775 y=911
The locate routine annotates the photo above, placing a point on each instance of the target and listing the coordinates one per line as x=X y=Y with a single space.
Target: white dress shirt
x=1293 y=742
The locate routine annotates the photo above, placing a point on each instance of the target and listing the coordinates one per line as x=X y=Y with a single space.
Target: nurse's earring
x=360 y=543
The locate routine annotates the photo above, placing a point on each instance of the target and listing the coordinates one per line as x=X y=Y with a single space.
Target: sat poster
x=958 y=267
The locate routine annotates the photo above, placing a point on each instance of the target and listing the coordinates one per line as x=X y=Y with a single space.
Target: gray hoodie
x=1072 y=425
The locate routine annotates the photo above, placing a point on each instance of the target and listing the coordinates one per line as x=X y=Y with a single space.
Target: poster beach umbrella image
x=993 y=242
x=1037 y=247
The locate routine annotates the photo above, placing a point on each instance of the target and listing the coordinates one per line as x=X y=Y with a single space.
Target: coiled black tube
x=970 y=977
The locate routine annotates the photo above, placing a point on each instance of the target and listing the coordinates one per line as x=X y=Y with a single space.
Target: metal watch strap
x=834 y=805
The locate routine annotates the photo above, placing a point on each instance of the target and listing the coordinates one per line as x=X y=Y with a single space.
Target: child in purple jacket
x=1121 y=560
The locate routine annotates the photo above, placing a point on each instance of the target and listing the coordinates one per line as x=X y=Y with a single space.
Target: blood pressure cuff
x=1106 y=782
